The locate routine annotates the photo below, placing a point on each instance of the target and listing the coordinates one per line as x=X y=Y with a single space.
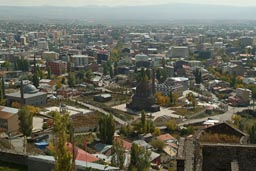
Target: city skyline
x=121 y=3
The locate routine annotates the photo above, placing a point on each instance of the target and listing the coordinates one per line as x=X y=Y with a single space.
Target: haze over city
x=122 y=2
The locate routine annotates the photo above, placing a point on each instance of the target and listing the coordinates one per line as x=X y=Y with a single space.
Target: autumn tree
x=118 y=154
x=26 y=123
x=106 y=129
x=140 y=158
x=236 y=120
x=171 y=125
x=61 y=152
x=173 y=96
x=143 y=120
x=157 y=144
x=192 y=99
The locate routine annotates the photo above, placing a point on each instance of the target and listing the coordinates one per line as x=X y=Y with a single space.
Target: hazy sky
x=122 y=2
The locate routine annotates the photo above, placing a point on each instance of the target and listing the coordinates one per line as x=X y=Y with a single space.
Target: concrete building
x=50 y=56
x=170 y=71
x=178 y=81
x=142 y=60
x=9 y=121
x=233 y=69
x=42 y=44
x=102 y=97
x=23 y=40
x=218 y=45
x=157 y=61
x=28 y=95
x=57 y=67
x=244 y=94
x=178 y=52
x=79 y=60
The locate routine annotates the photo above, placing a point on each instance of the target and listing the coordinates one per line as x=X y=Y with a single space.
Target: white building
x=218 y=45
x=141 y=58
x=42 y=44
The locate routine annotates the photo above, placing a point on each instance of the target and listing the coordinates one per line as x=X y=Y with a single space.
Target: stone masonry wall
x=219 y=157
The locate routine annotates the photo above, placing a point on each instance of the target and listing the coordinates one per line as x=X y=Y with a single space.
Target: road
x=222 y=117
x=118 y=120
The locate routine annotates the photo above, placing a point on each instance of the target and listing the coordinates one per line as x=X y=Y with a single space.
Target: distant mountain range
x=131 y=13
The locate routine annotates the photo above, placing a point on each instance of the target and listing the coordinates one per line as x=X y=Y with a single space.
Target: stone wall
x=219 y=157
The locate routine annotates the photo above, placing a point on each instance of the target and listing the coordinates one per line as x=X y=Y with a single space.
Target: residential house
x=9 y=121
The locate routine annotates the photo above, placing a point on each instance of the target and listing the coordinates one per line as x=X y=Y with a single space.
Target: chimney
x=3 y=88
x=21 y=93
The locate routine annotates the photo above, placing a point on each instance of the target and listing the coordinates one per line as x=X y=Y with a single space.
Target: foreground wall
x=220 y=156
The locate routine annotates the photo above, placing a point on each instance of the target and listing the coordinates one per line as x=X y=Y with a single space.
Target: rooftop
x=7 y=112
x=79 y=164
x=17 y=94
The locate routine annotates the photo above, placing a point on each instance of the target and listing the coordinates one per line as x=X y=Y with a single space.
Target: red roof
x=127 y=145
x=166 y=137
x=82 y=155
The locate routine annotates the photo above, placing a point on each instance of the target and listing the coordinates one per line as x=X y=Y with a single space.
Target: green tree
x=1 y=90
x=118 y=155
x=252 y=134
x=125 y=130
x=25 y=123
x=69 y=67
x=143 y=120
x=6 y=65
x=192 y=99
x=89 y=74
x=142 y=75
x=40 y=72
x=61 y=152
x=106 y=129
x=173 y=96
x=22 y=65
x=115 y=68
x=35 y=79
x=161 y=74
x=71 y=79
x=140 y=158
x=105 y=69
x=198 y=76
x=111 y=71
x=49 y=73
x=233 y=81
x=253 y=89
x=63 y=80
